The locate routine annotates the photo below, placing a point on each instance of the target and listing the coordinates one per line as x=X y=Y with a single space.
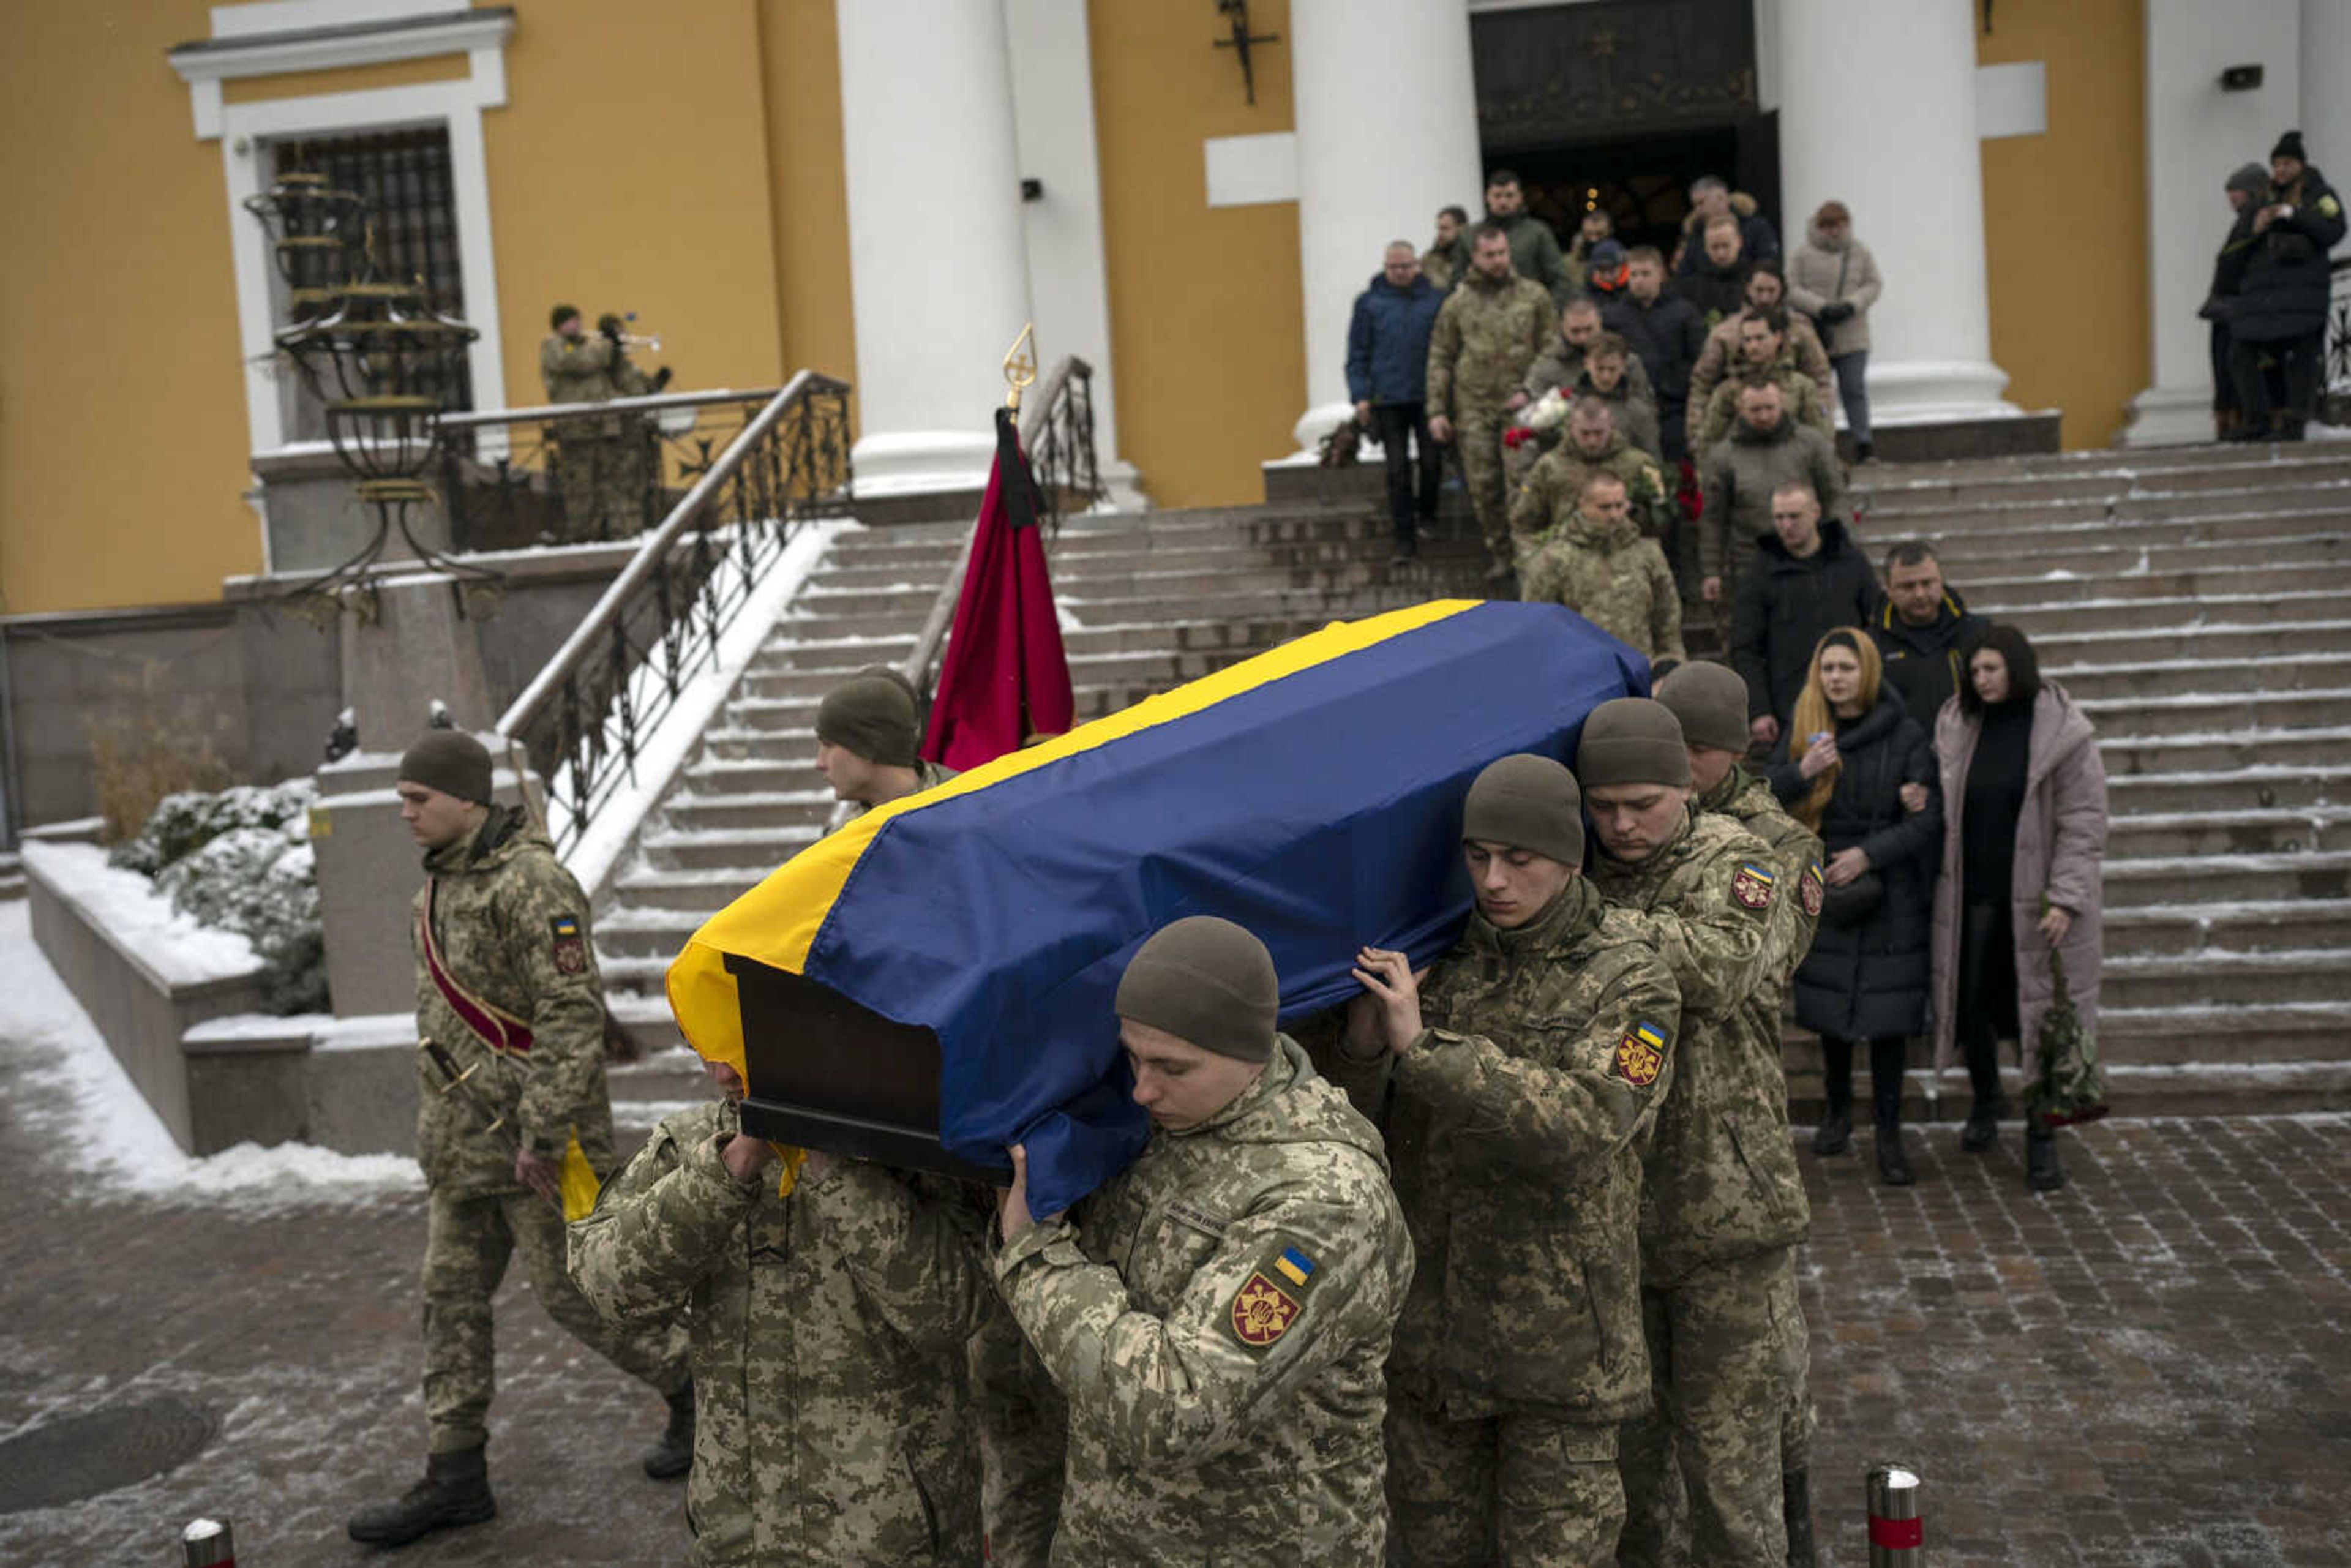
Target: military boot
x=672 y=1455
x=1983 y=1126
x=455 y=1490
x=1796 y=1508
x=2041 y=1171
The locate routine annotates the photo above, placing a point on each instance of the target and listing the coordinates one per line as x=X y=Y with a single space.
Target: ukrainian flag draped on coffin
x=1312 y=794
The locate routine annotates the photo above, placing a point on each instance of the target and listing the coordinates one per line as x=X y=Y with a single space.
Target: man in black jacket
x=2281 y=306
x=1804 y=582
x=1667 y=332
x=1923 y=630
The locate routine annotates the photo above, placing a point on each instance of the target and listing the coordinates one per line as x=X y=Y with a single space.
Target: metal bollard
x=208 y=1544
x=1898 y=1536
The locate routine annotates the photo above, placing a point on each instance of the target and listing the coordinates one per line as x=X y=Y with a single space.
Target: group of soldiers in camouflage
x=1496 y=1264
x=606 y=466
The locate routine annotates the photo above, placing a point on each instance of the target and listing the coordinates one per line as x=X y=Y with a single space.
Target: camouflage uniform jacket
x=1796 y=858
x=1554 y=486
x=1800 y=401
x=511 y=928
x=576 y=369
x=1486 y=335
x=1609 y=575
x=1722 y=356
x=1515 y=1126
x=1720 y=1182
x=1217 y=1316
x=826 y=1334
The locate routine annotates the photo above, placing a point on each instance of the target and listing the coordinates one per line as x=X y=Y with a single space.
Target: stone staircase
x=2196 y=601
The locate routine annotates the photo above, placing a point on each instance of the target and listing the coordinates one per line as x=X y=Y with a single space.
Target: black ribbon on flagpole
x=1022 y=503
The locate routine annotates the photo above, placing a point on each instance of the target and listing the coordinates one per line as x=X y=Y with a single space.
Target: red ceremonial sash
x=494 y=1027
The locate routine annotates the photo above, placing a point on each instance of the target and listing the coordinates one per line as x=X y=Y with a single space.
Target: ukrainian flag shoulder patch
x=1294 y=1266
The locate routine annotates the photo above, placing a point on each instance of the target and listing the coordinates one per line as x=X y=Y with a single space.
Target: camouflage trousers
x=603 y=480
x=1519 y=1490
x=1478 y=435
x=1023 y=1440
x=467 y=1242
x=1727 y=1354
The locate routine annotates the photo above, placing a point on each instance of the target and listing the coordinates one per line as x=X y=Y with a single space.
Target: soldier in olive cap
x=507 y=982
x=867 y=731
x=1517 y=1086
x=1721 y=1207
x=1217 y=1314
x=575 y=366
x=1710 y=700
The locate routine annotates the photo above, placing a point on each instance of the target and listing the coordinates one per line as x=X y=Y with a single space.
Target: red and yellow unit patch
x=1751 y=886
x=1262 y=1311
x=1640 y=1055
x=1811 y=889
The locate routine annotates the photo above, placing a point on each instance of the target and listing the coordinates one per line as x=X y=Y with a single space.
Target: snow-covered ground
x=58 y=1075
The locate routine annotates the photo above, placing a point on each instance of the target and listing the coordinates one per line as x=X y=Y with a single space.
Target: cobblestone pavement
x=2147 y=1368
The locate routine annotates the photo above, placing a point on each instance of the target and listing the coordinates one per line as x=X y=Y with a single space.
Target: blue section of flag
x=1297 y=1265
x=1320 y=810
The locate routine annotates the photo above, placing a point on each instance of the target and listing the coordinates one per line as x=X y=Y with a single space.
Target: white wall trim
x=207 y=66
x=1244 y=170
x=456 y=105
x=2012 y=99
x=243 y=21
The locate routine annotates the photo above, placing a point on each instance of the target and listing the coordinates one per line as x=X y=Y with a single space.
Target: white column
x=1877 y=108
x=1053 y=110
x=1387 y=133
x=938 y=268
x=2197 y=134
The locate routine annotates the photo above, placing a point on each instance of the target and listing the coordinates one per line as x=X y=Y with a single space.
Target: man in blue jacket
x=1388 y=375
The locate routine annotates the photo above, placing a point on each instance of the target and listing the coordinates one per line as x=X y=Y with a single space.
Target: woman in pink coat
x=2024 y=809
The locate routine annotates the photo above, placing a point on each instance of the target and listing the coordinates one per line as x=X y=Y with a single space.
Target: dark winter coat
x=2284 y=290
x=1535 y=253
x=1717 y=291
x=2060 y=846
x=1785 y=604
x=1388 y=341
x=1668 y=335
x=1758 y=240
x=1923 y=662
x=1871 y=979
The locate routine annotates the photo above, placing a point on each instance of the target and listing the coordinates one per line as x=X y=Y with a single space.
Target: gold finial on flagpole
x=1021 y=366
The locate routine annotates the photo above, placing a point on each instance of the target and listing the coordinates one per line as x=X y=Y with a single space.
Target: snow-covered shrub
x=240 y=860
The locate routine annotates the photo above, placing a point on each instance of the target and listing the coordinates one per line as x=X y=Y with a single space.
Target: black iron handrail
x=2338 y=327
x=1057 y=432
x=583 y=720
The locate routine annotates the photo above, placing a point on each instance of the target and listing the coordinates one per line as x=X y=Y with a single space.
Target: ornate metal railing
x=583 y=721
x=1057 y=432
x=576 y=471
x=2338 y=329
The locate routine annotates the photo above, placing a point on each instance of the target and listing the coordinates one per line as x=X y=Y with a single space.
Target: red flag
x=1005 y=679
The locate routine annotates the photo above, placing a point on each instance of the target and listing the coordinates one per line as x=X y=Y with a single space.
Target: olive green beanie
x=451 y=761
x=872 y=713
x=1207 y=982
x=1632 y=740
x=1528 y=802
x=1710 y=700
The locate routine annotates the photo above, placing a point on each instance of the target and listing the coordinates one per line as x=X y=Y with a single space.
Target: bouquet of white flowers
x=1547 y=413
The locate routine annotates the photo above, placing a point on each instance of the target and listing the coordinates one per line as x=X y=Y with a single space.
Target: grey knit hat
x=2251 y=178
x=1207 y=982
x=1710 y=701
x=1632 y=740
x=1528 y=802
x=872 y=713
x=451 y=761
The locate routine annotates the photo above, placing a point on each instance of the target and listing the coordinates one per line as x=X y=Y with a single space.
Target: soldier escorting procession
x=1218 y=1313
x=1517 y=1086
x=1723 y=1205
x=1488 y=331
x=506 y=987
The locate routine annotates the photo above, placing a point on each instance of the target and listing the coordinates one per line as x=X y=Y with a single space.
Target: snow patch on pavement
x=97 y=1119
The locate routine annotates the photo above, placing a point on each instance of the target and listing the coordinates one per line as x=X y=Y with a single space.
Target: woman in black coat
x=1865 y=780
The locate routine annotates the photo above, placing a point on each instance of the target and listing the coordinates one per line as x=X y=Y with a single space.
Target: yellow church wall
x=1204 y=302
x=122 y=425
x=2066 y=217
x=807 y=210
x=628 y=171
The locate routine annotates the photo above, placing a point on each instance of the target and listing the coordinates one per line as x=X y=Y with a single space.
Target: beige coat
x=1817 y=275
x=1803 y=349
x=2061 y=845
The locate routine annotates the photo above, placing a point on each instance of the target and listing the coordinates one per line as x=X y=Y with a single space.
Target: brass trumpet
x=649 y=343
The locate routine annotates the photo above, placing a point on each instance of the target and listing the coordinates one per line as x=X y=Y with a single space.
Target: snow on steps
x=2198 y=601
